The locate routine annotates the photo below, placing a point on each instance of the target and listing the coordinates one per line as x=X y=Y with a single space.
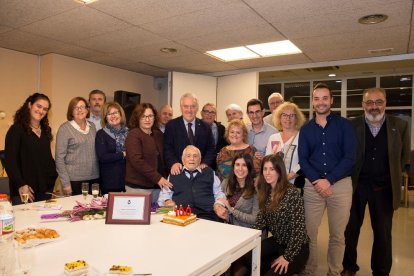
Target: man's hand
x=281 y=265
x=164 y=183
x=176 y=168
x=259 y=155
x=203 y=166
x=322 y=187
x=169 y=203
x=221 y=212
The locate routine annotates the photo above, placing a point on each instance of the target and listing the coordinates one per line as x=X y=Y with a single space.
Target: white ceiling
x=128 y=34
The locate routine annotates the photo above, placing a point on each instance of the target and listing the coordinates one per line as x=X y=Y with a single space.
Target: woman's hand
x=169 y=203
x=26 y=189
x=164 y=183
x=67 y=190
x=280 y=264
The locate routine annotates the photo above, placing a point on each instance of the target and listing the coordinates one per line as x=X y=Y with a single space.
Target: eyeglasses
x=82 y=107
x=209 y=112
x=115 y=113
x=288 y=116
x=257 y=112
x=148 y=117
x=377 y=103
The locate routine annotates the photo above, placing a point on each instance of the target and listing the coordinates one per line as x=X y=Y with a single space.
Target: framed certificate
x=128 y=208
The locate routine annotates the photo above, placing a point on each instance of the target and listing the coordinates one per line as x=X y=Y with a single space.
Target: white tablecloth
x=201 y=248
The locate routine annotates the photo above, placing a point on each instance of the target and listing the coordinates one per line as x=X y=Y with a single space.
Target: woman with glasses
x=145 y=169
x=29 y=162
x=110 y=148
x=75 y=155
x=288 y=119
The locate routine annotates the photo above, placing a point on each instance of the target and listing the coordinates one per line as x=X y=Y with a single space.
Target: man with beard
x=382 y=153
x=97 y=98
x=327 y=145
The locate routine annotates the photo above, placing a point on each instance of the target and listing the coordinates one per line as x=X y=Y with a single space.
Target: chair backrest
x=4 y=185
x=3 y=161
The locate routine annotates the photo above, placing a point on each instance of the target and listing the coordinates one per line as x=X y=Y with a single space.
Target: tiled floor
x=403 y=244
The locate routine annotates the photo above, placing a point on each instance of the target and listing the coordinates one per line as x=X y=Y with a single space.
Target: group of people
x=277 y=174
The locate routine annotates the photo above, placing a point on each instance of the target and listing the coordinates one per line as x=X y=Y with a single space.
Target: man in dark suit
x=383 y=147
x=188 y=130
x=208 y=115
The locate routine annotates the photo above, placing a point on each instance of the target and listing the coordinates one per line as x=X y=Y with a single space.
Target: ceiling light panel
x=278 y=48
x=231 y=54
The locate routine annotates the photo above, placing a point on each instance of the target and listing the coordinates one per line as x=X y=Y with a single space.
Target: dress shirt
x=327 y=152
x=96 y=120
x=375 y=129
x=166 y=193
x=193 y=123
x=259 y=140
x=161 y=127
x=215 y=132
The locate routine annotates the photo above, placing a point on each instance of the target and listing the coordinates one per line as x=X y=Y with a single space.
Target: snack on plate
x=76 y=268
x=120 y=270
x=180 y=220
x=35 y=235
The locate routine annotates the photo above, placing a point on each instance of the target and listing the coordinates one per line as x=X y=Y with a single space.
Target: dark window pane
x=298 y=93
x=399 y=89
x=335 y=86
x=355 y=89
x=266 y=89
x=354 y=113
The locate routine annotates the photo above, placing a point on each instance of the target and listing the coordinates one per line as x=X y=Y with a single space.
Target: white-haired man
x=274 y=100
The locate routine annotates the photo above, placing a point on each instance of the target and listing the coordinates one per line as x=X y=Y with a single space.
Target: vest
x=375 y=169
x=197 y=192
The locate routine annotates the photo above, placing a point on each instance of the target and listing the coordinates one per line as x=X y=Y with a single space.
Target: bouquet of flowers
x=82 y=211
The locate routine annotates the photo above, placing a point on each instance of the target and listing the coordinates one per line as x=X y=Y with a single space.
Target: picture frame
x=128 y=208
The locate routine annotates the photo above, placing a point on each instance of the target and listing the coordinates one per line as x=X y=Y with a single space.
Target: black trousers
x=381 y=212
x=271 y=250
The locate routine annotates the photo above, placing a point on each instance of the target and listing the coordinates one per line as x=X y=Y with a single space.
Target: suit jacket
x=176 y=139
x=398 y=152
x=221 y=141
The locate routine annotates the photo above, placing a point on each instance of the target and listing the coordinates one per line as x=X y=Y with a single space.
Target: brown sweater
x=143 y=154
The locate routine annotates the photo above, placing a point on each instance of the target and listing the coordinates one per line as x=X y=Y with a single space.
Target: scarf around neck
x=118 y=134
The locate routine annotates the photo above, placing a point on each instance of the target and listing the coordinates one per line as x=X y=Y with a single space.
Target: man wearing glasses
x=208 y=115
x=275 y=99
x=383 y=146
x=188 y=130
x=258 y=131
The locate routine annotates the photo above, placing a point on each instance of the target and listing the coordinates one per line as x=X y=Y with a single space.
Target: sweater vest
x=196 y=192
x=375 y=169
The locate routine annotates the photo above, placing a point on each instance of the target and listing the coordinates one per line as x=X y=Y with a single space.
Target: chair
x=3 y=161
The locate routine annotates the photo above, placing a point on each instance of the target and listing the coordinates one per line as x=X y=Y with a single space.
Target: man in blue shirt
x=326 y=151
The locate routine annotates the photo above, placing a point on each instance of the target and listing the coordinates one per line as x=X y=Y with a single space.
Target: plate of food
x=35 y=236
x=50 y=204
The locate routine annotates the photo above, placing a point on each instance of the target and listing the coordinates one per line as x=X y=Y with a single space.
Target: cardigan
x=29 y=160
x=144 y=158
x=245 y=211
x=75 y=154
x=111 y=163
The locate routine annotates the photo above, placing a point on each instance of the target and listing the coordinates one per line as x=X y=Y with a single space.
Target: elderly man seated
x=196 y=187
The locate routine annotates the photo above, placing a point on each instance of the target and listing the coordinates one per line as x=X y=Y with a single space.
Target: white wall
x=238 y=89
x=204 y=87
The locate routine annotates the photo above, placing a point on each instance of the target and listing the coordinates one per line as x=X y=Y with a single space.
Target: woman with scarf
x=145 y=169
x=110 y=148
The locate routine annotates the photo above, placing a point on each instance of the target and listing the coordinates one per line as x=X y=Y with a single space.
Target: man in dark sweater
x=382 y=154
x=196 y=187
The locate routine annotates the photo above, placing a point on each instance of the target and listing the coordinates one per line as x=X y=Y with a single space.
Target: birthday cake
x=179 y=217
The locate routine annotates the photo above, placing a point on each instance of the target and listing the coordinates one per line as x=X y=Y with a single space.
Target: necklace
x=37 y=130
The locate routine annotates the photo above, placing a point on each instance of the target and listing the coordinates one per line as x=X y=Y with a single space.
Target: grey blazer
x=245 y=211
x=398 y=151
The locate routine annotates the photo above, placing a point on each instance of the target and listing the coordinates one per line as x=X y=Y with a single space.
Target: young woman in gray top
x=75 y=156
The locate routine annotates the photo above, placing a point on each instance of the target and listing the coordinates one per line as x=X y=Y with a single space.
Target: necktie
x=190 y=133
x=191 y=173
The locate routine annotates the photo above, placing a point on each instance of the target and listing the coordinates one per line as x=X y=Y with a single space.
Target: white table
x=201 y=248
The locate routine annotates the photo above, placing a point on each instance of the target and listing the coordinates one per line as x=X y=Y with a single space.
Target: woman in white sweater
x=75 y=155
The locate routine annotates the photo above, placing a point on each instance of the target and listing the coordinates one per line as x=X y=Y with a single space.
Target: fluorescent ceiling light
x=231 y=54
x=86 y=2
x=332 y=75
x=278 y=48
